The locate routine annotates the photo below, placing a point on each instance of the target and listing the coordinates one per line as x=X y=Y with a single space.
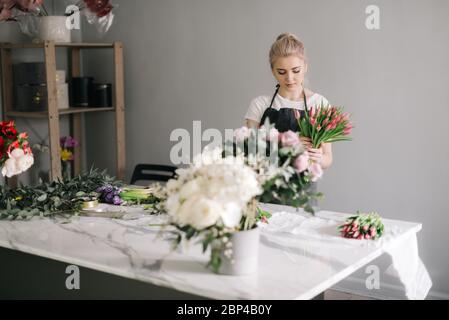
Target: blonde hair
x=286 y=44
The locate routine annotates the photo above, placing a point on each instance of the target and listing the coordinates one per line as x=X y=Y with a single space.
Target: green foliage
x=48 y=199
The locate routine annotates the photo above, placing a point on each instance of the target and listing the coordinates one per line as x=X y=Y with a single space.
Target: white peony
x=16 y=154
x=189 y=189
x=205 y=213
x=213 y=190
x=17 y=163
x=231 y=215
x=10 y=168
x=199 y=212
x=25 y=162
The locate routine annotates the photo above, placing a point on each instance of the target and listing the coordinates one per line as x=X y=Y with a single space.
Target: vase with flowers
x=214 y=200
x=67 y=144
x=36 y=21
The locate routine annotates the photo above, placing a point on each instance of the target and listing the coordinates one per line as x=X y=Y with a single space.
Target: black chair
x=153 y=172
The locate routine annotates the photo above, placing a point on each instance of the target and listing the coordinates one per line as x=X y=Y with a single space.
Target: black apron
x=284 y=119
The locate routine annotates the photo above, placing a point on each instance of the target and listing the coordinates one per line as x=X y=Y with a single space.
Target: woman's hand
x=315 y=154
x=306 y=142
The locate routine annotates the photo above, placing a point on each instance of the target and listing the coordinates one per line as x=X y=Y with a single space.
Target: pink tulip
x=301 y=163
x=373 y=231
x=367 y=236
x=365 y=228
x=313 y=121
x=297 y=114
x=311 y=112
x=290 y=139
x=356 y=234
x=360 y=237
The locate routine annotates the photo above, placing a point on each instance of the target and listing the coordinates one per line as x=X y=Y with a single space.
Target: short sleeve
x=256 y=109
x=319 y=100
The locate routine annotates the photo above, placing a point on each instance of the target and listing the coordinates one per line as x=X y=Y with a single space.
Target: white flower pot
x=53 y=28
x=244 y=258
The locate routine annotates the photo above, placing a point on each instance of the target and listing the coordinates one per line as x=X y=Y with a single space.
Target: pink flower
x=297 y=114
x=356 y=234
x=302 y=162
x=365 y=228
x=316 y=171
x=367 y=236
x=313 y=121
x=373 y=231
x=311 y=112
x=241 y=134
x=360 y=237
x=290 y=139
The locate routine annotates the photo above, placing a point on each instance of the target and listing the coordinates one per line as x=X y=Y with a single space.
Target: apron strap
x=277 y=90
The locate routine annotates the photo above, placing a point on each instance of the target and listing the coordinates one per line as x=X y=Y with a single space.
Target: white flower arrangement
x=212 y=199
x=213 y=191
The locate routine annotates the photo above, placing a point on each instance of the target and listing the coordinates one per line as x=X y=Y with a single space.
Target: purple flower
x=117 y=201
x=71 y=142
x=108 y=188
x=109 y=198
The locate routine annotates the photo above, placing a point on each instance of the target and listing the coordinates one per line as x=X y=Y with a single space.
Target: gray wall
x=206 y=59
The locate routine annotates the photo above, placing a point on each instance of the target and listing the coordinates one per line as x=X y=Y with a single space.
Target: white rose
x=25 y=162
x=199 y=212
x=172 y=204
x=189 y=189
x=231 y=215
x=10 y=168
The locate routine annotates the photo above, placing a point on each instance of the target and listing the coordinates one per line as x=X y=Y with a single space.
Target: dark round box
x=30 y=98
x=79 y=91
x=100 y=95
x=29 y=73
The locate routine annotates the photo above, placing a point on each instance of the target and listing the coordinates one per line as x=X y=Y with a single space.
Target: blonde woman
x=289 y=66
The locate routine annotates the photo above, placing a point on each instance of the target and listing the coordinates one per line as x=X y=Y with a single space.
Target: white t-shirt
x=258 y=105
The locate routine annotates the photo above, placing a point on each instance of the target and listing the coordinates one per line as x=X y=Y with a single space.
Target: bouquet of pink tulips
x=325 y=124
x=362 y=226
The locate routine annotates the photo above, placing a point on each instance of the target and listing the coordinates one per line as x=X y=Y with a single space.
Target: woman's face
x=289 y=72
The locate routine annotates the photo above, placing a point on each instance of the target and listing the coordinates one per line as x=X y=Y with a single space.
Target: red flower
x=8 y=130
x=100 y=7
x=13 y=146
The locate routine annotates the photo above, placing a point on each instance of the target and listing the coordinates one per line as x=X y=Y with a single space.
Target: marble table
x=298 y=265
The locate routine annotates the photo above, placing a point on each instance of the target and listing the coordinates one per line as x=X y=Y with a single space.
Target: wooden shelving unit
x=53 y=114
